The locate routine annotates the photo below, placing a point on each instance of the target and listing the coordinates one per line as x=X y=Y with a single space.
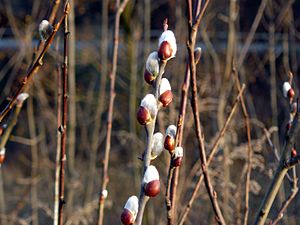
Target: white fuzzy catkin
x=164 y=86
x=157 y=145
x=285 y=88
x=178 y=152
x=45 y=30
x=152 y=63
x=21 y=98
x=150 y=103
x=151 y=174
x=2 y=151
x=132 y=205
x=171 y=131
x=104 y=193
x=169 y=36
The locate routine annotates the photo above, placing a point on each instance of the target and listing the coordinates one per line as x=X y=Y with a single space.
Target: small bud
x=1 y=130
x=2 y=156
x=157 y=145
x=148 y=109
x=152 y=188
x=169 y=143
x=171 y=130
x=149 y=78
x=293 y=152
x=143 y=116
x=167 y=47
x=151 y=181
x=165 y=93
x=130 y=210
x=152 y=68
x=291 y=93
x=21 y=98
x=177 y=157
x=104 y=194
x=45 y=30
x=197 y=54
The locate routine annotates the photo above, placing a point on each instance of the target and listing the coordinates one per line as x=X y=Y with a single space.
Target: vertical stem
x=34 y=164
x=100 y=104
x=147 y=154
x=72 y=90
x=225 y=87
x=120 y=9
x=193 y=28
x=58 y=146
x=172 y=182
x=2 y=197
x=63 y=127
x=249 y=153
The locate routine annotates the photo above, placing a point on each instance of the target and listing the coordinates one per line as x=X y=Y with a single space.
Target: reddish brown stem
x=213 y=151
x=193 y=28
x=105 y=178
x=172 y=182
x=34 y=68
x=63 y=127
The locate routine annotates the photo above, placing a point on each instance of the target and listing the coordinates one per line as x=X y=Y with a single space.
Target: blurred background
x=263 y=38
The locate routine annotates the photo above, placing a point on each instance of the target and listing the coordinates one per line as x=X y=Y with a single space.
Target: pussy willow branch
x=172 y=181
x=249 y=153
x=143 y=199
x=213 y=151
x=35 y=67
x=289 y=199
x=120 y=9
x=279 y=175
x=193 y=28
x=51 y=19
x=63 y=128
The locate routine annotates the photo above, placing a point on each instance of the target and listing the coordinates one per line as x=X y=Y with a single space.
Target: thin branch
x=213 y=151
x=289 y=199
x=120 y=9
x=58 y=144
x=63 y=127
x=251 y=34
x=34 y=68
x=171 y=188
x=53 y=13
x=249 y=153
x=279 y=175
x=193 y=28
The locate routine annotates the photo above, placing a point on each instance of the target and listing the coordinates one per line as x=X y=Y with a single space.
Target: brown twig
x=35 y=67
x=53 y=13
x=193 y=27
x=289 y=199
x=63 y=127
x=172 y=181
x=120 y=9
x=100 y=103
x=248 y=130
x=58 y=144
x=213 y=151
